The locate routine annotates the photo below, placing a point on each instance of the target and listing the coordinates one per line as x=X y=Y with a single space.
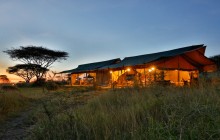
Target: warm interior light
x=110 y=71
x=150 y=70
x=128 y=69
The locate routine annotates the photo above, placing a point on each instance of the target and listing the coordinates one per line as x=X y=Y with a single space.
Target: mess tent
x=178 y=66
x=88 y=74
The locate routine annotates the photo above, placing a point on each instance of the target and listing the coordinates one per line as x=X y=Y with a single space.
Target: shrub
x=50 y=85
x=9 y=88
x=39 y=83
x=23 y=84
x=61 y=83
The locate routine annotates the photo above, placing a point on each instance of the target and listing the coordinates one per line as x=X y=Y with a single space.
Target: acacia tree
x=37 y=55
x=26 y=71
x=4 y=79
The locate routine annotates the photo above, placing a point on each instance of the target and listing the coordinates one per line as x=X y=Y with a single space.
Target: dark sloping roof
x=92 y=66
x=67 y=71
x=147 y=58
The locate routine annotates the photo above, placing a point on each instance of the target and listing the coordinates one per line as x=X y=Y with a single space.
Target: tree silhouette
x=4 y=79
x=37 y=55
x=216 y=59
x=26 y=71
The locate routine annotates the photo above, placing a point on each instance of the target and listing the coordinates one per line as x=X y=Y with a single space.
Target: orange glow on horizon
x=12 y=78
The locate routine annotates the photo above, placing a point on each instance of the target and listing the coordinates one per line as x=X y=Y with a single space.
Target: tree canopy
x=36 y=55
x=26 y=71
x=36 y=59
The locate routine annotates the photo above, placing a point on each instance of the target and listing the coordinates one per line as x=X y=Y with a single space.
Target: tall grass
x=10 y=103
x=13 y=99
x=138 y=113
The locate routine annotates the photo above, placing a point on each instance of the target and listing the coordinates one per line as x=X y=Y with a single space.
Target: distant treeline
x=216 y=59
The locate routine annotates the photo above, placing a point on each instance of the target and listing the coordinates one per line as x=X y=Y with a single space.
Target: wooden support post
x=118 y=75
x=178 y=77
x=155 y=76
x=112 y=80
x=145 y=82
x=178 y=74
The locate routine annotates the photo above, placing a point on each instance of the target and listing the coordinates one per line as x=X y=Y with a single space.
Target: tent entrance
x=151 y=75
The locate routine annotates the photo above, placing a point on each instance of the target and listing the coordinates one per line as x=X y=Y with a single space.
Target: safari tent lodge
x=179 y=67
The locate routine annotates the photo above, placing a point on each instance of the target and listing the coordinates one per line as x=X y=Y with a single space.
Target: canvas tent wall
x=190 y=59
x=91 y=69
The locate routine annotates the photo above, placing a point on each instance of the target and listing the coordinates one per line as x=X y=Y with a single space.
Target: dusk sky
x=97 y=30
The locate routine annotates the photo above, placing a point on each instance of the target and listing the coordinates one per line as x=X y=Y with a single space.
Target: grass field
x=154 y=112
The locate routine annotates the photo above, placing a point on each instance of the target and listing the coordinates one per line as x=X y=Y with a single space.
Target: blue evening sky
x=97 y=30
